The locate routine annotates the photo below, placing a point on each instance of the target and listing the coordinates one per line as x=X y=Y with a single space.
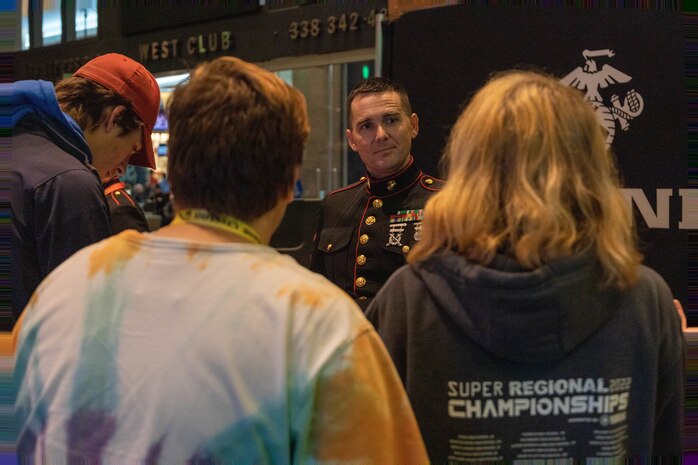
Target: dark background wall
x=443 y=55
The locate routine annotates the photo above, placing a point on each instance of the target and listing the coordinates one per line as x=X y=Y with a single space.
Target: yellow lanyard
x=222 y=222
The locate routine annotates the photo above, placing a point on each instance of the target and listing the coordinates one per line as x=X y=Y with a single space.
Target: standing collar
x=395 y=183
x=113 y=185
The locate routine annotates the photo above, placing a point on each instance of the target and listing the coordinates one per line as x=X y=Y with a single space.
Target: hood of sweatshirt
x=34 y=103
x=520 y=314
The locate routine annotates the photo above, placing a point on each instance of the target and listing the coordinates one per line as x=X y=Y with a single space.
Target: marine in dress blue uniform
x=366 y=229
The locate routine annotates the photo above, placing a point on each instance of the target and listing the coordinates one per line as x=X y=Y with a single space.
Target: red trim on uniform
x=350 y=186
x=427 y=186
x=358 y=243
x=394 y=176
x=415 y=181
x=363 y=216
x=124 y=194
x=114 y=187
x=130 y=199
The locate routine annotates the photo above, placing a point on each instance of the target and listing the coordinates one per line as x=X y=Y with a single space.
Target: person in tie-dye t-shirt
x=199 y=343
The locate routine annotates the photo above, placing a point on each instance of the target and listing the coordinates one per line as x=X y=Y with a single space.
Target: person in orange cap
x=65 y=143
x=119 y=73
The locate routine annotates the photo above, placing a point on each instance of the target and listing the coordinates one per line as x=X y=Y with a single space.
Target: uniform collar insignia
x=395 y=183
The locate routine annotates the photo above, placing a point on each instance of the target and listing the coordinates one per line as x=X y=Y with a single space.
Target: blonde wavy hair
x=529 y=175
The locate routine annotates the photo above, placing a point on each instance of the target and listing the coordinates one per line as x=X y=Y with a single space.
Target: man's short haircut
x=237 y=134
x=85 y=101
x=379 y=85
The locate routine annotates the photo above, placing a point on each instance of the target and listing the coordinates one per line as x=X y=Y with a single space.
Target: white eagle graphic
x=590 y=79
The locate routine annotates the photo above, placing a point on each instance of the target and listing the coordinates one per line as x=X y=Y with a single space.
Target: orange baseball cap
x=132 y=81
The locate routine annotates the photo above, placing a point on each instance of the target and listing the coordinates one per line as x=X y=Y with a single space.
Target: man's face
x=111 y=147
x=382 y=132
x=111 y=158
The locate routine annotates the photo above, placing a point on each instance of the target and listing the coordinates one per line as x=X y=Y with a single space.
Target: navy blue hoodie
x=58 y=206
x=504 y=363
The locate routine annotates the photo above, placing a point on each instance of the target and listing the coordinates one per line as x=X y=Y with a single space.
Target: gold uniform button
x=405 y=248
x=362 y=178
x=429 y=181
x=360 y=281
x=363 y=239
x=329 y=247
x=370 y=220
x=361 y=260
x=378 y=203
x=362 y=298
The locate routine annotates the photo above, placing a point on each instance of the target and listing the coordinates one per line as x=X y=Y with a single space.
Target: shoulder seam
x=78 y=170
x=431 y=177
x=432 y=188
x=350 y=186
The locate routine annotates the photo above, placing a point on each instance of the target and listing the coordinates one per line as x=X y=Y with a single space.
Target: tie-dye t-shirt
x=145 y=349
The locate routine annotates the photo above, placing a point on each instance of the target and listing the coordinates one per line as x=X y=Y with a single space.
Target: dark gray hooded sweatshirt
x=505 y=363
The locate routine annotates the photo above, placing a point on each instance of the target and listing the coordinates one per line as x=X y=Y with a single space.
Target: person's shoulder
x=651 y=281
x=90 y=261
x=77 y=186
x=79 y=175
x=337 y=201
x=127 y=216
x=303 y=277
x=313 y=287
x=59 y=298
x=405 y=280
x=404 y=293
x=347 y=190
x=431 y=183
x=37 y=160
x=306 y=297
x=119 y=197
x=121 y=246
x=649 y=296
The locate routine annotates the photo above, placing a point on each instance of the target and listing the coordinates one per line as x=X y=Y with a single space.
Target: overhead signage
x=200 y=44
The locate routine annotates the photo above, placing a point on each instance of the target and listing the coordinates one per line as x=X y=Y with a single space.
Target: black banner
x=630 y=64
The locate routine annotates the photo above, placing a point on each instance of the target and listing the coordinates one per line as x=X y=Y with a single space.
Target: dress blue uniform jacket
x=367 y=228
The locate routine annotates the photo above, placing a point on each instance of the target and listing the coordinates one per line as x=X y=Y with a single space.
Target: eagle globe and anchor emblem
x=590 y=79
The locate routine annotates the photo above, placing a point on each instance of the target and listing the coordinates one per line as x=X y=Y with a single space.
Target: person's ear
x=110 y=122
x=414 y=122
x=288 y=195
x=350 y=139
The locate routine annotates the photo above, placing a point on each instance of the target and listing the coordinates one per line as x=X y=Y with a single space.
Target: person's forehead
x=378 y=103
